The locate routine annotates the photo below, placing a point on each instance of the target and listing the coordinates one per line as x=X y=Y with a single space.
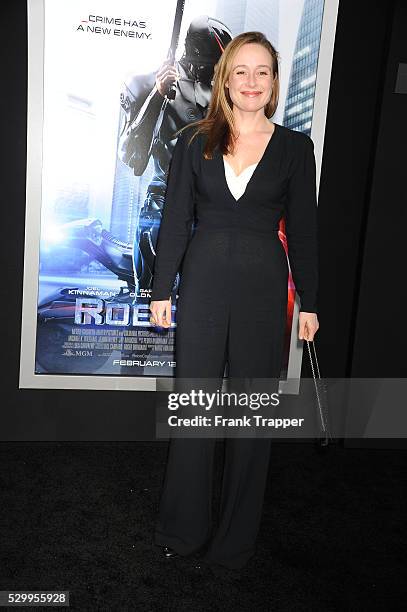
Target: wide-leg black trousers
x=184 y=521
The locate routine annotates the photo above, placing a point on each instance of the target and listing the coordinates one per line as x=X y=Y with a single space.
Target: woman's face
x=251 y=78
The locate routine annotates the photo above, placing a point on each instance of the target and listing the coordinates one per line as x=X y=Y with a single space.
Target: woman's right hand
x=161 y=312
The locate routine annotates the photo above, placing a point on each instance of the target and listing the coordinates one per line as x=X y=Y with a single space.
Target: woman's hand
x=161 y=312
x=308 y=325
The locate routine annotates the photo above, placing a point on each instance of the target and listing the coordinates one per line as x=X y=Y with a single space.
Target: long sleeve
x=301 y=224
x=177 y=218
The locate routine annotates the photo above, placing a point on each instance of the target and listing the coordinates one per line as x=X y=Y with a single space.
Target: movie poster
x=107 y=144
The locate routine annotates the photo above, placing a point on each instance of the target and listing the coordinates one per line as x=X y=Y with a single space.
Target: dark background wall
x=379 y=345
x=362 y=220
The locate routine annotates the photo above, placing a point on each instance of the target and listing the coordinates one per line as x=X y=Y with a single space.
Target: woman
x=237 y=173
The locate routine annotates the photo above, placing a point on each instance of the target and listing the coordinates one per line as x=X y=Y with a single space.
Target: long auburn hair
x=219 y=124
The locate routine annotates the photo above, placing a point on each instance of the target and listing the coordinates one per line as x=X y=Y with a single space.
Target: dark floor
x=80 y=516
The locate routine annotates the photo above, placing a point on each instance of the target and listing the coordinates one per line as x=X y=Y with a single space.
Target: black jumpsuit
x=232 y=307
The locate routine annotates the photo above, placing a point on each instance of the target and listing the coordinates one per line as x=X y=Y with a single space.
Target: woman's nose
x=251 y=80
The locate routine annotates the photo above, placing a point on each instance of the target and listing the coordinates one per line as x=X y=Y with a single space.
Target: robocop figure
x=152 y=118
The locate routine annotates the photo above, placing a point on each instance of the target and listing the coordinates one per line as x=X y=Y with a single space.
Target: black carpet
x=79 y=517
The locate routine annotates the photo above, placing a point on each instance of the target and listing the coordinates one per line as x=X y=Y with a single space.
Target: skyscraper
x=301 y=89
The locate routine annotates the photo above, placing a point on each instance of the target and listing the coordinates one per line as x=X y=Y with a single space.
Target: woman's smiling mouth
x=251 y=94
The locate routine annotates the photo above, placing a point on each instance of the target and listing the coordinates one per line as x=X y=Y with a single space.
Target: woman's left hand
x=308 y=325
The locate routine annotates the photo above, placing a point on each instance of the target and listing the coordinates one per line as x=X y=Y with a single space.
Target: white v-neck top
x=237 y=184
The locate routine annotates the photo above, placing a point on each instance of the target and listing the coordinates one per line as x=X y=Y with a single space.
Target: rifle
x=174 y=42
